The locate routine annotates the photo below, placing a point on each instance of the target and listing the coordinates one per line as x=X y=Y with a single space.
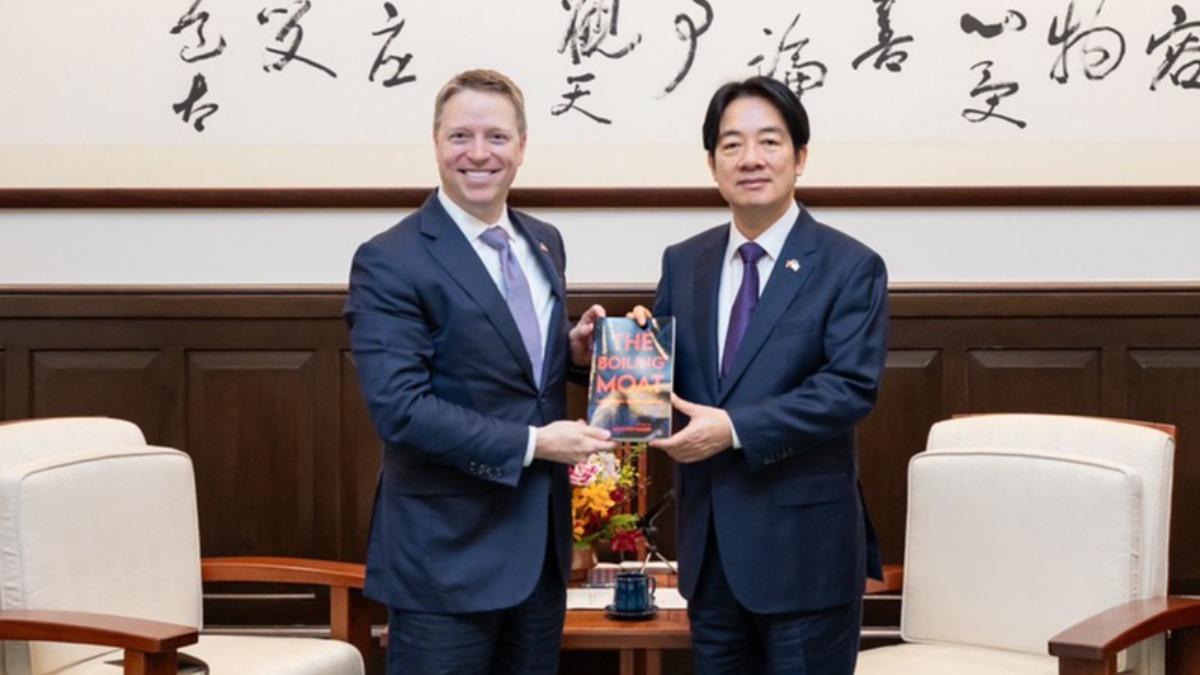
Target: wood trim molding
x=326 y=301
x=568 y=198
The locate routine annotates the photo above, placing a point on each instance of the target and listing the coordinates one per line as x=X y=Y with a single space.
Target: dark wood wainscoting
x=259 y=388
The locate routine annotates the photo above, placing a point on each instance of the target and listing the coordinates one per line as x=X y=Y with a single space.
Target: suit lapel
x=456 y=256
x=542 y=251
x=708 y=277
x=781 y=289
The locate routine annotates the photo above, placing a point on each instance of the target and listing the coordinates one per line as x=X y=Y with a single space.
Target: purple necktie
x=520 y=300
x=743 y=304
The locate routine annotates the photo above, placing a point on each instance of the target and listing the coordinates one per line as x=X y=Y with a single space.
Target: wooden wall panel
x=132 y=385
x=361 y=450
x=258 y=386
x=909 y=402
x=1165 y=387
x=251 y=432
x=1043 y=380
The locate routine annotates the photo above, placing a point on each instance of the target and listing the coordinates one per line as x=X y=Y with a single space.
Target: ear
x=712 y=165
x=521 y=149
x=801 y=160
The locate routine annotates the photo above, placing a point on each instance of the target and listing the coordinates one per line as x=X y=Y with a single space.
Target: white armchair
x=100 y=552
x=1032 y=537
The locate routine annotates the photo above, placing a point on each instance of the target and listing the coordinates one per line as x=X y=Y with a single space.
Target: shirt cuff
x=531 y=446
x=737 y=442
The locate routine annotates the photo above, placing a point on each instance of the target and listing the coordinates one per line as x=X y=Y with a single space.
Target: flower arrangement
x=602 y=487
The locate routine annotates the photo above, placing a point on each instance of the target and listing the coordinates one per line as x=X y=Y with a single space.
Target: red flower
x=617 y=495
x=626 y=541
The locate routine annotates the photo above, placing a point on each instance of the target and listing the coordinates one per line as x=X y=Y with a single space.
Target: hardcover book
x=630 y=387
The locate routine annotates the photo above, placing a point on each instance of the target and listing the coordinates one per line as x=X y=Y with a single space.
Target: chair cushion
x=108 y=530
x=1149 y=452
x=1005 y=549
x=914 y=659
x=244 y=655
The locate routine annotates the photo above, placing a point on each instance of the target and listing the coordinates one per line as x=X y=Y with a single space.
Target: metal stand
x=650 y=534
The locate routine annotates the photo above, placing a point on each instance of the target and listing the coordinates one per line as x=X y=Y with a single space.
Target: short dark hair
x=772 y=91
x=481 y=79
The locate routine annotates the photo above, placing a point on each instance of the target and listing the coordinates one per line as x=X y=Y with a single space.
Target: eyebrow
x=736 y=132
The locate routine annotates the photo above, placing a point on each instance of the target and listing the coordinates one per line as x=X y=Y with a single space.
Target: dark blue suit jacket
x=459 y=525
x=792 y=531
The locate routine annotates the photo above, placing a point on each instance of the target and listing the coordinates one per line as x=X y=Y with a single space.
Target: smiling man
x=780 y=342
x=458 y=326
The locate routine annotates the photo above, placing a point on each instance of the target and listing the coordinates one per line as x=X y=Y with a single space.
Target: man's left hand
x=708 y=432
x=581 y=336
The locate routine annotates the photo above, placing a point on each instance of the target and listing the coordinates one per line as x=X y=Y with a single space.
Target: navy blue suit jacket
x=792 y=530
x=459 y=525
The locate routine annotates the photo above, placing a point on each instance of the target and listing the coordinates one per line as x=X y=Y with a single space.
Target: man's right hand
x=568 y=442
x=641 y=315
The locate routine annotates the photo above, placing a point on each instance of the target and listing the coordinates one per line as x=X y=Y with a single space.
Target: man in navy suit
x=459 y=333
x=781 y=340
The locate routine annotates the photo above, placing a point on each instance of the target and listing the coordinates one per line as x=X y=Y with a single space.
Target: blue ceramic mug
x=634 y=593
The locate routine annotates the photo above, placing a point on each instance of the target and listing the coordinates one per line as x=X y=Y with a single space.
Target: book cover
x=632 y=369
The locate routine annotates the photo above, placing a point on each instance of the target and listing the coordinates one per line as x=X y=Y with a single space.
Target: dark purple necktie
x=520 y=300
x=743 y=304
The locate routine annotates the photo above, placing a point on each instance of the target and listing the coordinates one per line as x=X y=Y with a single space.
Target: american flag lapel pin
x=793 y=265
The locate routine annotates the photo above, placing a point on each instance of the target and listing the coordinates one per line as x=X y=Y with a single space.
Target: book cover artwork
x=630 y=390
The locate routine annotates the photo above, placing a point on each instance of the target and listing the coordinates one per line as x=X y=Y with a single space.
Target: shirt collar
x=771 y=240
x=472 y=227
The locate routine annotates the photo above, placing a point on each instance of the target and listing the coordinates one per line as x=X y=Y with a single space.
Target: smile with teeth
x=478 y=174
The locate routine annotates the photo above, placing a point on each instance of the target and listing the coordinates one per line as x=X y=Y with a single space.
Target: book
x=630 y=387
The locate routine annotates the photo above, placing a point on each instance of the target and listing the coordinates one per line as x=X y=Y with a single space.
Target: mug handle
x=653 y=586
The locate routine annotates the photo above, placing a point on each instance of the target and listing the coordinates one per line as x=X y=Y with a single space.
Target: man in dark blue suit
x=781 y=340
x=459 y=333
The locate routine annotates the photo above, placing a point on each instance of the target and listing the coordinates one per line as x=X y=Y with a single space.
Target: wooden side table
x=640 y=644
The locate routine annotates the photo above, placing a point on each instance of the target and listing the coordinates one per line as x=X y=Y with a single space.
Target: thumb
x=597 y=433
x=685 y=407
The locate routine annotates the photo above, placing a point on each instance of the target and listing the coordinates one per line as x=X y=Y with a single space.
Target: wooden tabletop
x=591 y=629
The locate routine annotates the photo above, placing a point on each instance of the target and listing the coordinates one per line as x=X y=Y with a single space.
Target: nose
x=752 y=156
x=478 y=151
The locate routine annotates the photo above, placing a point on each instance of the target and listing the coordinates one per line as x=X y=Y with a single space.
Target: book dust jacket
x=630 y=386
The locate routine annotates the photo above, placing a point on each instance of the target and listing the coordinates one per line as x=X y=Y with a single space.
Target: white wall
x=1134 y=245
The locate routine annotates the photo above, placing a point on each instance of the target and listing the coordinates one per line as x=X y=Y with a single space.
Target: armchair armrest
x=150 y=646
x=349 y=618
x=284 y=570
x=1091 y=646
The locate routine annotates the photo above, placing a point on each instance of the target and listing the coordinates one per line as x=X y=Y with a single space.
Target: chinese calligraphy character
x=995 y=93
x=382 y=58
x=885 y=52
x=687 y=31
x=187 y=107
x=1013 y=20
x=1099 y=59
x=799 y=76
x=201 y=50
x=573 y=97
x=1185 y=75
x=291 y=28
x=593 y=21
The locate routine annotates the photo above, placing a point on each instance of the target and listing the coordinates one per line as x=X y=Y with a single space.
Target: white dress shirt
x=732 y=271
x=540 y=289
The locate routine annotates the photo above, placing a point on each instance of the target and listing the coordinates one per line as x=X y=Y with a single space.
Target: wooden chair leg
x=350 y=619
x=1183 y=652
x=1069 y=666
x=141 y=663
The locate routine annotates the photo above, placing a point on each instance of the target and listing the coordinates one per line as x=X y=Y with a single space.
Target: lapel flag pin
x=793 y=265
x=545 y=249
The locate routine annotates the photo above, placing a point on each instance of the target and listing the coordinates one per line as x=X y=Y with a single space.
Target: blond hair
x=481 y=79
